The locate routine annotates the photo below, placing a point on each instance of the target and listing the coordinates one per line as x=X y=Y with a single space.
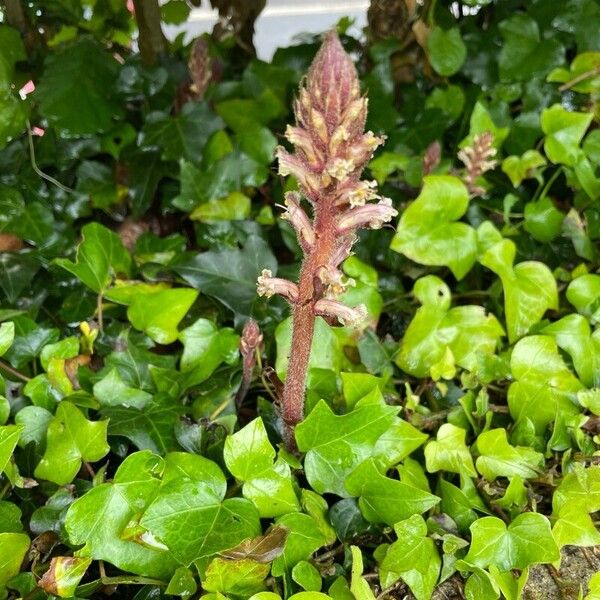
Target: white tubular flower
x=340 y=168
x=299 y=220
x=369 y=215
x=334 y=281
x=349 y=317
x=268 y=286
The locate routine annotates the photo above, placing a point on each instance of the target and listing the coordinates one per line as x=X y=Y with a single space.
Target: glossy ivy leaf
x=7 y=335
x=543 y=384
x=449 y=452
x=575 y=527
x=385 y=500
x=529 y=287
x=182 y=135
x=457 y=505
x=158 y=314
x=307 y=576
x=190 y=516
x=497 y=458
x=584 y=294
x=398 y=442
x=13 y=548
x=63 y=576
x=524 y=53
x=359 y=586
x=100 y=257
x=564 y=131
x=526 y=541
x=574 y=335
x=580 y=71
x=234 y=207
x=316 y=506
x=34 y=421
x=428 y=231
x=580 y=488
x=336 y=444
x=414 y=558
x=71 y=439
x=182 y=584
x=111 y=390
x=10 y=517
x=236 y=578
x=149 y=428
x=205 y=347
x=98 y=519
x=523 y=167
x=250 y=457
x=94 y=106
x=543 y=220
x=230 y=274
x=465 y=330
x=9 y=437
x=446 y=50
x=305 y=537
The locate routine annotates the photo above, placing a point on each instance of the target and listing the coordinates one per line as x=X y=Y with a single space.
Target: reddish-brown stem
x=303 y=322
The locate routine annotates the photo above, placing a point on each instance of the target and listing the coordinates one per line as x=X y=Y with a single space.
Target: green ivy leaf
x=183 y=135
x=449 y=452
x=336 y=444
x=359 y=586
x=7 y=336
x=542 y=384
x=190 y=516
x=305 y=537
x=574 y=335
x=236 y=578
x=9 y=437
x=386 y=500
x=205 y=347
x=466 y=330
x=482 y=121
x=523 y=167
x=13 y=548
x=497 y=458
x=98 y=520
x=446 y=50
x=111 y=390
x=575 y=527
x=543 y=220
x=229 y=275
x=94 y=106
x=100 y=257
x=584 y=294
x=149 y=428
x=526 y=541
x=413 y=558
x=158 y=314
x=529 y=288
x=249 y=456
x=524 y=53
x=564 y=131
x=71 y=439
x=307 y=576
x=579 y=488
x=428 y=232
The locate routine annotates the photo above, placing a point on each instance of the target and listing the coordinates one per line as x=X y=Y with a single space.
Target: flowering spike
x=478 y=159
x=330 y=151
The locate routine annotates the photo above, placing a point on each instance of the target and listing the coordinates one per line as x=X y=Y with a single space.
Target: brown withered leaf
x=64 y=575
x=262 y=549
x=10 y=242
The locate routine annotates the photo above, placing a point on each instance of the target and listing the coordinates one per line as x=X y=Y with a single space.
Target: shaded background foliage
x=137 y=207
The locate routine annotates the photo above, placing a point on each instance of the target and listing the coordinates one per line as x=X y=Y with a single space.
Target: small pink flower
x=268 y=286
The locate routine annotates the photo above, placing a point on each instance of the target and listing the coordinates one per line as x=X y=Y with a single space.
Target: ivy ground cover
x=450 y=445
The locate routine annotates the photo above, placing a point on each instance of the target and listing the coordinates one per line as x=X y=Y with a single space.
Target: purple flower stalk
x=331 y=149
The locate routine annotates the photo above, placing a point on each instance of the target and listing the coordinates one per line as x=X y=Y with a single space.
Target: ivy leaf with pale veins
x=71 y=439
x=429 y=231
x=336 y=444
